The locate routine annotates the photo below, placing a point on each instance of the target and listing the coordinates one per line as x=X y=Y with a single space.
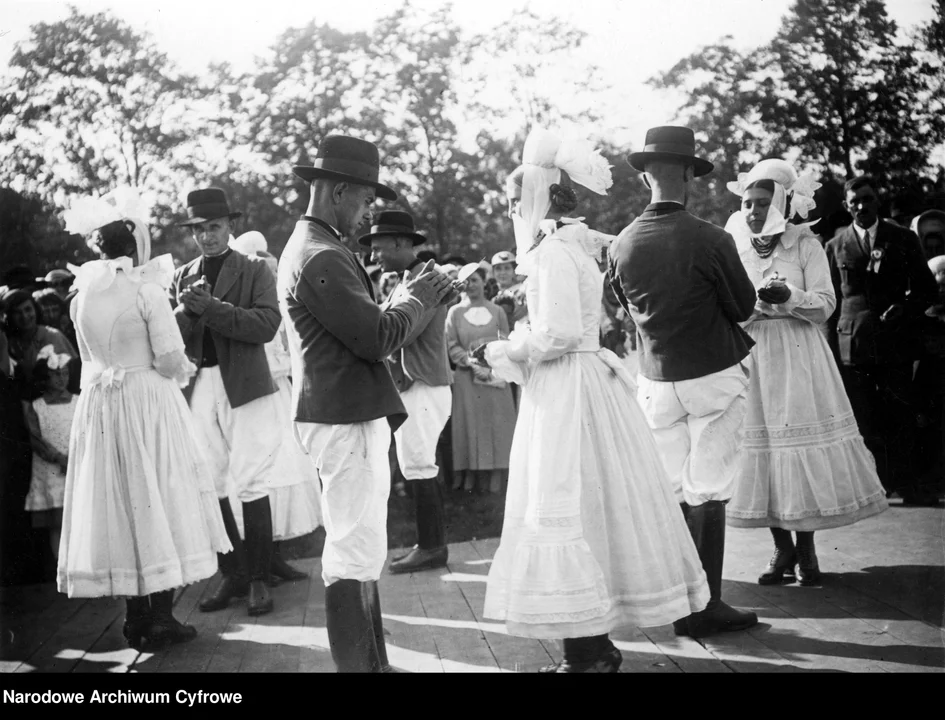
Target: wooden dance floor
x=879 y=609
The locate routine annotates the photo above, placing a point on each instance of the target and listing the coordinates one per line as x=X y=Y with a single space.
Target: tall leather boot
x=350 y=628
x=781 y=566
x=681 y=626
x=233 y=566
x=707 y=525
x=372 y=598
x=431 y=551
x=165 y=628
x=807 y=566
x=137 y=621
x=281 y=569
x=257 y=522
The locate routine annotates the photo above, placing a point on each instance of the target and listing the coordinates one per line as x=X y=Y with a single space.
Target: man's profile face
x=213 y=236
x=388 y=251
x=353 y=208
x=863 y=205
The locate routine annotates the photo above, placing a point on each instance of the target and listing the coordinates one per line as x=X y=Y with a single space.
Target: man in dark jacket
x=884 y=287
x=345 y=401
x=682 y=282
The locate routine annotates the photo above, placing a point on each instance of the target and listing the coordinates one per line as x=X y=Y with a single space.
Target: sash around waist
x=112 y=375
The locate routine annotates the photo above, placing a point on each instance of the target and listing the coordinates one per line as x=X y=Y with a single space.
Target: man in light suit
x=227 y=310
x=883 y=287
x=345 y=400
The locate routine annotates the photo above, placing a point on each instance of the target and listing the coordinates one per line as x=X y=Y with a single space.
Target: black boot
x=781 y=566
x=257 y=522
x=595 y=654
x=372 y=598
x=681 y=626
x=431 y=551
x=707 y=525
x=165 y=628
x=350 y=628
x=232 y=566
x=281 y=569
x=807 y=566
x=137 y=621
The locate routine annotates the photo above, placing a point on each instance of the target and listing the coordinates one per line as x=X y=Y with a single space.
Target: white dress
x=141 y=514
x=593 y=537
x=294 y=488
x=805 y=466
x=48 y=483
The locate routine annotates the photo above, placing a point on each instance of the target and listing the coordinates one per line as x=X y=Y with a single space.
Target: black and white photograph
x=432 y=336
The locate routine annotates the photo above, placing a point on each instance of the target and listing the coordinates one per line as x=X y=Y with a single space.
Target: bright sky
x=630 y=40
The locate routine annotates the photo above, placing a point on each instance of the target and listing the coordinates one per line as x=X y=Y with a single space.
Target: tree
x=90 y=104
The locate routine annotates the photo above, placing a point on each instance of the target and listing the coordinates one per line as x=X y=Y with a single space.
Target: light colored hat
x=501 y=258
x=466 y=271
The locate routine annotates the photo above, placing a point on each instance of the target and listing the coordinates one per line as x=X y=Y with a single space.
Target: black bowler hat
x=392 y=222
x=349 y=159
x=206 y=205
x=670 y=143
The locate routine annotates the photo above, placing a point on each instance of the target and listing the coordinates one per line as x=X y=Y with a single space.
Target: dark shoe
x=280 y=568
x=781 y=566
x=681 y=627
x=420 y=559
x=231 y=587
x=350 y=628
x=137 y=621
x=398 y=558
x=260 y=601
x=165 y=629
x=807 y=566
x=707 y=526
x=609 y=662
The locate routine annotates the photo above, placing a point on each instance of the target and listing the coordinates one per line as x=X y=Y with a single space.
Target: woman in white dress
x=294 y=491
x=805 y=466
x=141 y=516
x=593 y=538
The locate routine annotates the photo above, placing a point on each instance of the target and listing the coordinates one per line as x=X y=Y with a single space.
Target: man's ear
x=339 y=191
x=690 y=173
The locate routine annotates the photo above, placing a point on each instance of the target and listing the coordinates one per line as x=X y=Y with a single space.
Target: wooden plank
x=315 y=651
x=410 y=646
x=72 y=640
x=30 y=616
x=685 y=653
x=277 y=637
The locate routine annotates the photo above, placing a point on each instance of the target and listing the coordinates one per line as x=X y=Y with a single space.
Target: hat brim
x=417 y=238
x=309 y=173
x=198 y=220
x=638 y=161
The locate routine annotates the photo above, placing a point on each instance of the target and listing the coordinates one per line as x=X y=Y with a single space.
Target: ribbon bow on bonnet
x=54 y=360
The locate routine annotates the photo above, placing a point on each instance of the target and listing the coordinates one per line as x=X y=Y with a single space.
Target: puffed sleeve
x=817 y=302
x=556 y=326
x=164 y=334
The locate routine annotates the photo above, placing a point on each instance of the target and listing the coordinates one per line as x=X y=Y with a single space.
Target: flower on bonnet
x=54 y=360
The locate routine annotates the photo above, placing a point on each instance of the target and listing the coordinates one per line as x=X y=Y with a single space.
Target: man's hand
x=482 y=372
x=775 y=291
x=893 y=314
x=197 y=297
x=430 y=286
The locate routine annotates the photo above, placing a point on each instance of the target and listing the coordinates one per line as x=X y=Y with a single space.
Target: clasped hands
x=432 y=288
x=478 y=363
x=775 y=291
x=196 y=298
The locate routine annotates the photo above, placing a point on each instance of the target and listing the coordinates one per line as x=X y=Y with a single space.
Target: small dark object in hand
x=478 y=354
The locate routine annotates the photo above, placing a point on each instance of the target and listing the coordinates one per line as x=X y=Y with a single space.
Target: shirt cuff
x=797 y=299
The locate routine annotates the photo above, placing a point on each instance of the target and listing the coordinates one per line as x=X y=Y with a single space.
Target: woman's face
x=474 y=286
x=52 y=315
x=24 y=316
x=504 y=274
x=515 y=202
x=58 y=380
x=755 y=204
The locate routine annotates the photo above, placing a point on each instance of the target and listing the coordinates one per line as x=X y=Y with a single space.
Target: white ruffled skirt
x=805 y=466
x=140 y=514
x=593 y=537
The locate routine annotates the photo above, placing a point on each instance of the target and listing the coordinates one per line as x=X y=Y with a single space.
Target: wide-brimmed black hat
x=206 y=205
x=349 y=159
x=392 y=222
x=670 y=143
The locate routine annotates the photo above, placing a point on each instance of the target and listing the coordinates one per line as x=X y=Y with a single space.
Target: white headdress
x=54 y=360
x=250 y=243
x=785 y=180
x=123 y=203
x=543 y=159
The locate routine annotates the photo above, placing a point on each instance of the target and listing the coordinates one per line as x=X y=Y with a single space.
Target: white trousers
x=354 y=469
x=240 y=444
x=428 y=409
x=697 y=427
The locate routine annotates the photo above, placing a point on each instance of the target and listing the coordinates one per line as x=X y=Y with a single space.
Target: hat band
x=210 y=210
x=675 y=148
x=355 y=168
x=392 y=229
